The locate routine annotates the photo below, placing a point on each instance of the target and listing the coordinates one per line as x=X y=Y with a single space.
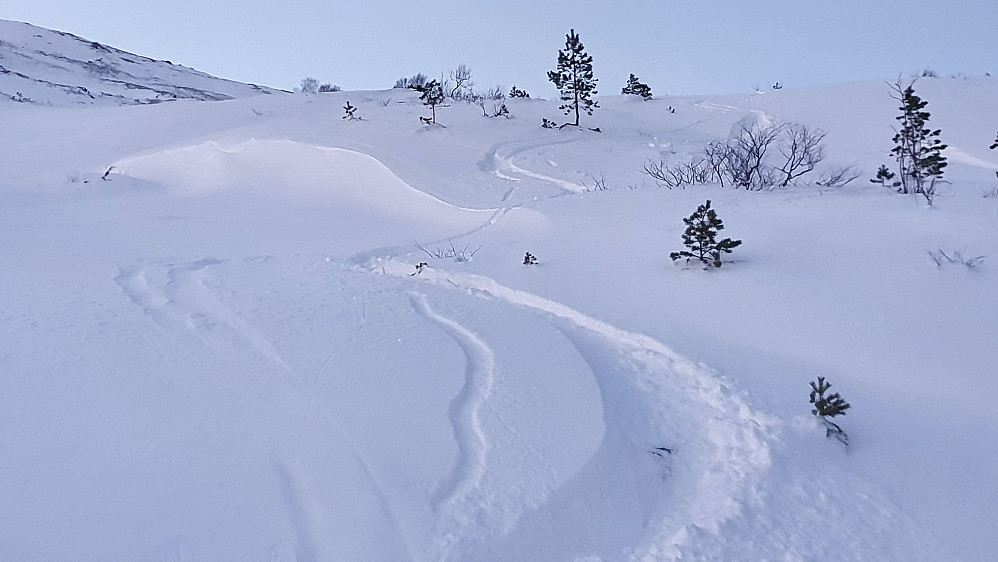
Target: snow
x=225 y=350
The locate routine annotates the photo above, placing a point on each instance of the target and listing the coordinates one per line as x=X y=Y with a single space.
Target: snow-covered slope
x=48 y=67
x=229 y=348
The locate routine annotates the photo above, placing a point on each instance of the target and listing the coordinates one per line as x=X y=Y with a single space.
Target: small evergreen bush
x=700 y=237
x=636 y=88
x=828 y=407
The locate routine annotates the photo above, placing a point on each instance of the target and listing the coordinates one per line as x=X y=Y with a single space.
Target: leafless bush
x=459 y=255
x=837 y=177
x=941 y=258
x=747 y=157
x=801 y=150
x=680 y=175
x=460 y=77
x=599 y=184
x=745 y=161
x=309 y=85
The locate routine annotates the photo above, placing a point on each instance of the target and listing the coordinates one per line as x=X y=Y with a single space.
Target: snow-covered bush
x=828 y=407
x=325 y=88
x=529 y=259
x=700 y=237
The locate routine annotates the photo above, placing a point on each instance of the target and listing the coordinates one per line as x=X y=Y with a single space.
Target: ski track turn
x=729 y=438
x=459 y=497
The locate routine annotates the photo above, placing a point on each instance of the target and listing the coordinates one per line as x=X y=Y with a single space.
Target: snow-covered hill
x=274 y=333
x=48 y=67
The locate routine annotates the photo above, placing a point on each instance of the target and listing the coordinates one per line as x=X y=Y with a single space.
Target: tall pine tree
x=917 y=149
x=574 y=78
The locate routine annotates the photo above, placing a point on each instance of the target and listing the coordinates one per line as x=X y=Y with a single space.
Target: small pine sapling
x=700 y=237
x=995 y=144
x=828 y=407
x=515 y=92
x=433 y=95
x=548 y=124
x=350 y=110
x=636 y=88
x=529 y=259
x=883 y=175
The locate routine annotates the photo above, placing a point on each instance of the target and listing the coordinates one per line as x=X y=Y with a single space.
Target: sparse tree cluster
x=574 y=78
x=917 y=149
x=636 y=88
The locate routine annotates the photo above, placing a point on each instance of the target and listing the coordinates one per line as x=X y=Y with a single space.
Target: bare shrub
x=801 y=150
x=838 y=177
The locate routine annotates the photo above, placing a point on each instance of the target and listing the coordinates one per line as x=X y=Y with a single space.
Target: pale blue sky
x=676 y=46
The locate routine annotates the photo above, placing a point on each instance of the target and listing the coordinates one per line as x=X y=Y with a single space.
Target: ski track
x=730 y=436
x=182 y=296
x=460 y=498
x=504 y=168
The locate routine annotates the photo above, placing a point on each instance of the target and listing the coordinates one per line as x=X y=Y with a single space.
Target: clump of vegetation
x=433 y=95
x=883 y=175
x=515 y=92
x=700 y=238
x=828 y=407
x=756 y=158
x=636 y=88
x=529 y=259
x=350 y=112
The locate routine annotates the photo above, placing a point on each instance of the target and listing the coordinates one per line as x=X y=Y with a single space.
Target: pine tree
x=700 y=237
x=433 y=95
x=917 y=149
x=828 y=407
x=883 y=175
x=635 y=87
x=574 y=78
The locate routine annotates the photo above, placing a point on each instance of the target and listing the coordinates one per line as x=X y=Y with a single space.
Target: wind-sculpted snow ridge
x=45 y=67
x=717 y=443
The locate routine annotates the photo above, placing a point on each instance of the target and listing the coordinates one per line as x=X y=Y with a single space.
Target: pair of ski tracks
x=181 y=295
x=725 y=442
